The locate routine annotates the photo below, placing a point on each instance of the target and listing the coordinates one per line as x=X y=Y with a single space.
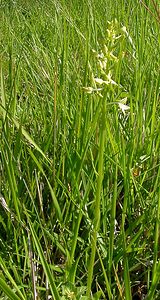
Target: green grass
x=79 y=151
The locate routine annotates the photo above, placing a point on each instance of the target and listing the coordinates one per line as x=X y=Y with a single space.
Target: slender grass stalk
x=124 y=212
x=112 y=223
x=45 y=265
x=8 y=291
x=108 y=286
x=156 y=237
x=55 y=118
x=57 y=207
x=7 y=160
x=9 y=276
x=155 y=280
x=97 y=206
x=3 y=96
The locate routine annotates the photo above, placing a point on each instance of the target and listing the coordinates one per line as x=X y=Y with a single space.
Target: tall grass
x=79 y=152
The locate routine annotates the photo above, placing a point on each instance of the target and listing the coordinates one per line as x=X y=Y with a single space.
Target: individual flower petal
x=103 y=64
x=88 y=89
x=99 y=80
x=123 y=101
x=123 y=107
x=107 y=82
x=110 y=79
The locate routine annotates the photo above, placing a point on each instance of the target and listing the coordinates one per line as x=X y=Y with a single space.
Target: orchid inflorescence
x=107 y=59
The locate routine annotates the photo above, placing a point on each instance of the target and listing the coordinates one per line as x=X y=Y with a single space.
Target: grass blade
x=8 y=291
x=45 y=265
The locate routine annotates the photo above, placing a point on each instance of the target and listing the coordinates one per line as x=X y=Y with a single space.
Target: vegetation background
x=79 y=151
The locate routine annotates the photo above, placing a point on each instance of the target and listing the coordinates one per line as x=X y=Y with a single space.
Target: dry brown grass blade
x=156 y=8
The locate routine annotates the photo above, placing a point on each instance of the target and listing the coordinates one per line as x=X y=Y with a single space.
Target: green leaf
x=8 y=275
x=45 y=265
x=56 y=205
x=8 y=291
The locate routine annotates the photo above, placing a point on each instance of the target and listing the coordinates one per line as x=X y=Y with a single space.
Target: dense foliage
x=79 y=151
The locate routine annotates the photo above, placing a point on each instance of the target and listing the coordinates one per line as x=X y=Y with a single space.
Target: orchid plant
x=107 y=61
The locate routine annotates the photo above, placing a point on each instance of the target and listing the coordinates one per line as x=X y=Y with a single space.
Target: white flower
x=123 y=107
x=110 y=79
x=90 y=90
x=124 y=29
x=99 y=80
x=107 y=82
x=103 y=64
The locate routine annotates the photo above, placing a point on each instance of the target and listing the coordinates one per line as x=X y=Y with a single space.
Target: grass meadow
x=79 y=150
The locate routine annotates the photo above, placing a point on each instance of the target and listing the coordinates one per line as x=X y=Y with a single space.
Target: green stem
x=97 y=202
x=112 y=222
x=128 y=295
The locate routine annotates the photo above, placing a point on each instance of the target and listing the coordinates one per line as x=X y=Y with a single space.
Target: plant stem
x=97 y=209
